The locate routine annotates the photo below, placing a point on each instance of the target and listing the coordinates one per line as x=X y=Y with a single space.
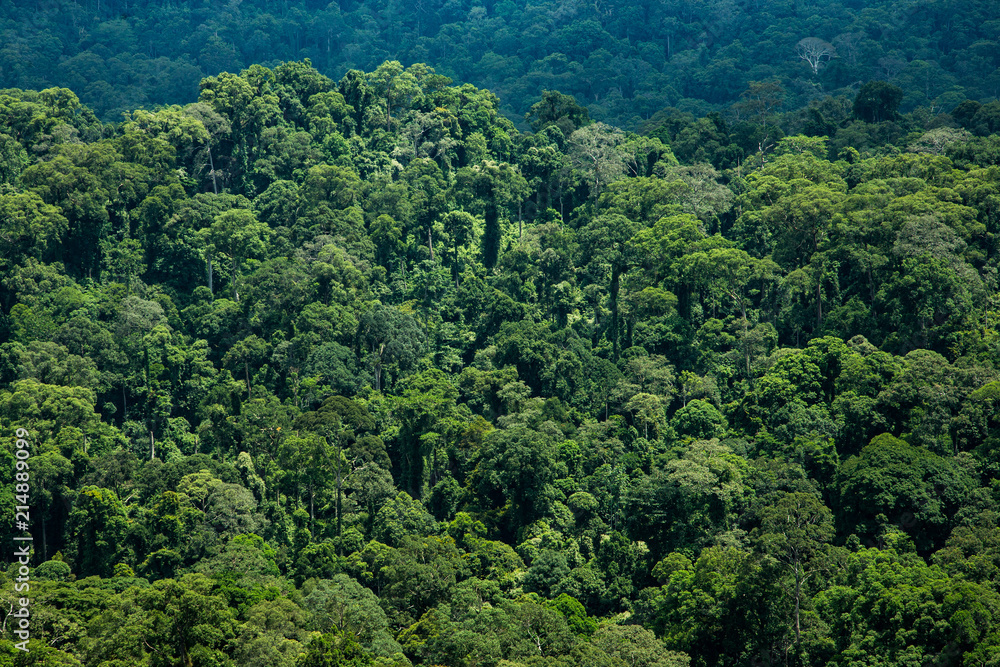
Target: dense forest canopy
x=351 y=370
x=625 y=59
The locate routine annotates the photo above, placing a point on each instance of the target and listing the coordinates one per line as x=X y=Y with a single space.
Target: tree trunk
x=388 y=108
x=798 y=597
x=378 y=367
x=312 y=507
x=746 y=352
x=819 y=303
x=340 y=544
x=215 y=185
x=615 y=288
x=871 y=291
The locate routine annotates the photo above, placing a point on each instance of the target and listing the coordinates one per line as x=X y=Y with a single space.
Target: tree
x=610 y=252
x=390 y=338
x=815 y=52
x=637 y=646
x=400 y=517
x=557 y=109
x=250 y=350
x=890 y=594
x=273 y=635
x=311 y=467
x=690 y=500
x=594 y=150
x=427 y=196
x=426 y=401
x=459 y=226
x=13 y=159
x=235 y=236
x=714 y=609
x=394 y=85
x=703 y=196
x=647 y=410
x=892 y=482
x=877 y=101
x=699 y=419
x=80 y=195
x=761 y=99
x=793 y=531
x=342 y=605
x=189 y=618
x=249 y=103
x=28 y=228
x=513 y=481
x=98 y=526
x=489 y=188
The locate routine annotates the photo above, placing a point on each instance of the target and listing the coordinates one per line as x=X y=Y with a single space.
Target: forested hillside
x=626 y=59
x=354 y=372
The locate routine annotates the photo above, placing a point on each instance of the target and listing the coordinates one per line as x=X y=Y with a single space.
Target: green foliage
x=357 y=372
x=700 y=420
x=892 y=482
x=877 y=101
x=334 y=649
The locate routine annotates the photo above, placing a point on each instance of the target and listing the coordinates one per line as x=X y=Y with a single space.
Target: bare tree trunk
x=211 y=164
x=340 y=544
x=798 y=597
x=871 y=291
x=819 y=303
x=9 y=612
x=615 y=288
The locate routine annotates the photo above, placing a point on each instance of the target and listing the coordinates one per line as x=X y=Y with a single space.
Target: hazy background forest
x=656 y=335
x=625 y=60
